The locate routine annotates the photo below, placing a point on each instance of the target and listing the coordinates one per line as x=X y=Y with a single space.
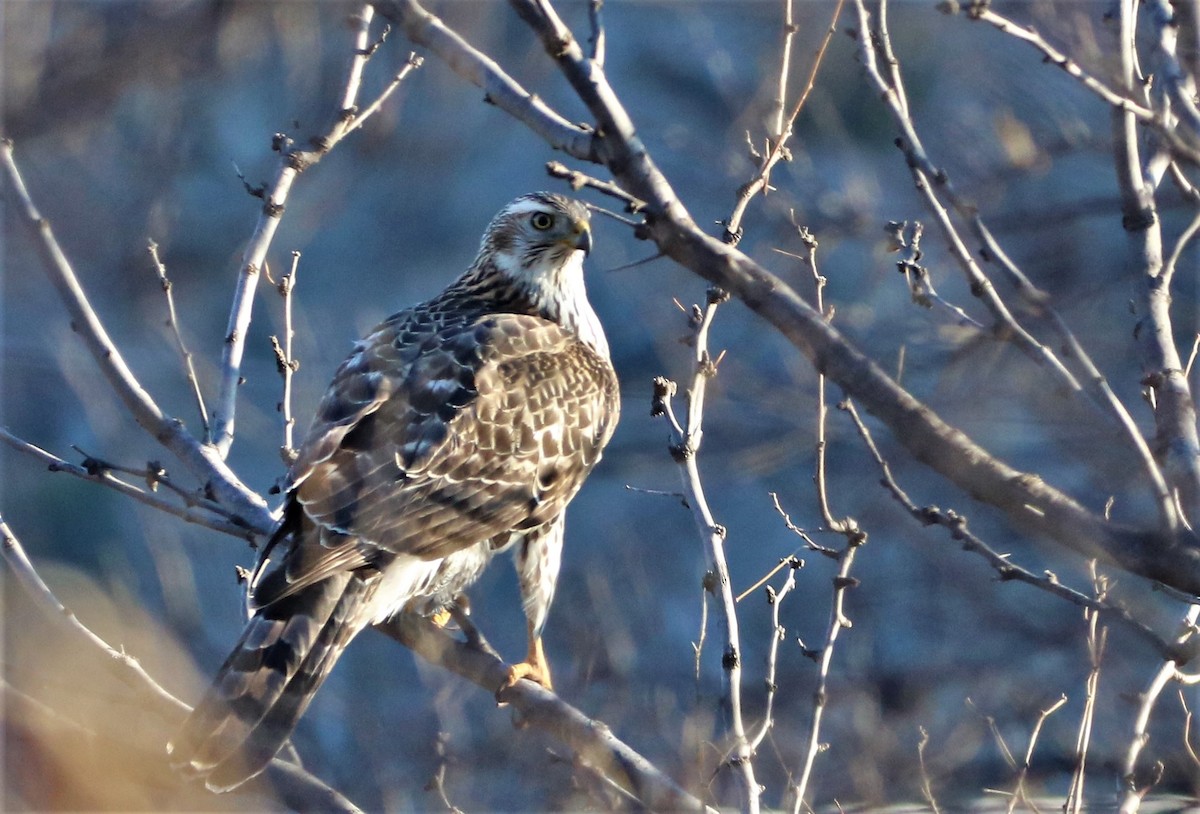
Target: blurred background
x=132 y=121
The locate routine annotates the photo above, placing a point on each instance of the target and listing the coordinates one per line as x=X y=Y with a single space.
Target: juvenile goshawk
x=457 y=429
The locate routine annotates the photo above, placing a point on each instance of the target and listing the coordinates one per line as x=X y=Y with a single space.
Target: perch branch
x=592 y=741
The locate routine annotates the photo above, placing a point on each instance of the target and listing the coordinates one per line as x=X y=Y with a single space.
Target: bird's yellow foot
x=535 y=668
x=442 y=618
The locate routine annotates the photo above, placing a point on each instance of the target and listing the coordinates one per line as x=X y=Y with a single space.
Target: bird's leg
x=535 y=667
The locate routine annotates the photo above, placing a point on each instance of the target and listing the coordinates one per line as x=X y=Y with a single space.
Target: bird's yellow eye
x=541 y=221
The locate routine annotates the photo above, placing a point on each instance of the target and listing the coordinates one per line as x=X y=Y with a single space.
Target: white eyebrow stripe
x=527 y=206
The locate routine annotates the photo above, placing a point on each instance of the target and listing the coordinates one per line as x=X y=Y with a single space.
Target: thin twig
x=838 y=621
x=1187 y=731
x=125 y=667
x=579 y=180
x=777 y=142
x=1019 y=794
x=926 y=783
x=1187 y=369
x=210 y=515
x=1006 y=569
x=775 y=599
x=285 y=363
x=931 y=182
x=597 y=39
x=184 y=353
x=201 y=459
x=1120 y=102
x=685 y=448
x=906 y=237
x=1097 y=639
x=292 y=161
x=1132 y=790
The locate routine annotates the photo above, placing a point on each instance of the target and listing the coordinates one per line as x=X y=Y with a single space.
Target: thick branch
x=591 y=740
x=1177 y=442
x=1027 y=500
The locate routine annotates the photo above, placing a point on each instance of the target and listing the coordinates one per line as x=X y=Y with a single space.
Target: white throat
x=559 y=289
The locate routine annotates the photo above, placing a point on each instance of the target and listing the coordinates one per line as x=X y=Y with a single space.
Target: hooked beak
x=583 y=241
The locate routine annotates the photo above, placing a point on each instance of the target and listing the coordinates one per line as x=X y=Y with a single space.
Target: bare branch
x=930 y=181
x=1122 y=103
x=1019 y=794
x=481 y=71
x=1028 y=501
x=202 y=459
x=292 y=162
x=536 y=706
x=1097 y=639
x=122 y=665
x=685 y=449
x=1177 y=441
x=285 y=363
x=211 y=515
x=926 y=785
x=1005 y=568
x=173 y=321
x=778 y=140
x=775 y=599
x=1132 y=790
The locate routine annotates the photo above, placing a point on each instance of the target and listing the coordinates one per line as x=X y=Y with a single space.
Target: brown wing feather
x=446 y=439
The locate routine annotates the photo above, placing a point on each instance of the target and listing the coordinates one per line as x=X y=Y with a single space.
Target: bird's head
x=534 y=248
x=539 y=240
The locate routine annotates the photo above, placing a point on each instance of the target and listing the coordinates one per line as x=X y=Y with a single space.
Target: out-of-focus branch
x=1132 y=790
x=185 y=355
x=298 y=789
x=1122 y=103
x=125 y=667
x=292 y=162
x=202 y=459
x=1097 y=640
x=777 y=142
x=198 y=510
x=1005 y=568
x=592 y=741
x=481 y=71
x=932 y=182
x=1177 y=442
x=1025 y=499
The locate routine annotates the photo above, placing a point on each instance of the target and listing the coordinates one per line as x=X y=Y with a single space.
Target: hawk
x=455 y=430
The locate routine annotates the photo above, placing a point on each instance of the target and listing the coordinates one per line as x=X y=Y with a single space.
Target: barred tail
x=267 y=682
